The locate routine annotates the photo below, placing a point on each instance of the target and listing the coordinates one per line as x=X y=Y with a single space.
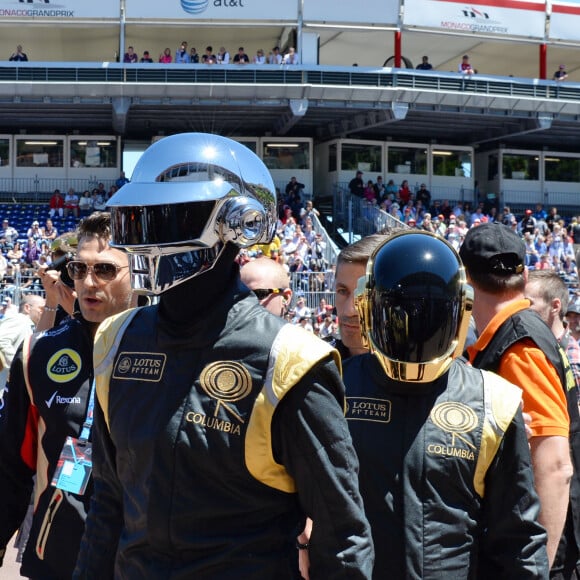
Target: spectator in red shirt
x=56 y=204
x=405 y=193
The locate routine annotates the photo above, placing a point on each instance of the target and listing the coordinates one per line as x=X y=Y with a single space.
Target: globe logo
x=194 y=6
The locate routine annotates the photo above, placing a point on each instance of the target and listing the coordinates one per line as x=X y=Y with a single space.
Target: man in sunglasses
x=46 y=423
x=270 y=283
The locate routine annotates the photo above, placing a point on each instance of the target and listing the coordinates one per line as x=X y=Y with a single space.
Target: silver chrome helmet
x=415 y=306
x=189 y=195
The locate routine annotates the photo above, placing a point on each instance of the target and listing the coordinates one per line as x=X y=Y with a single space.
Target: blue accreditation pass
x=74 y=467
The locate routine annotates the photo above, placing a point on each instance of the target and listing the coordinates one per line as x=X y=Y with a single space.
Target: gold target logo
x=226 y=382
x=456 y=419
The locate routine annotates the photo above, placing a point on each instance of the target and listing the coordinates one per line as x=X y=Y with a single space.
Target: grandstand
x=21 y=216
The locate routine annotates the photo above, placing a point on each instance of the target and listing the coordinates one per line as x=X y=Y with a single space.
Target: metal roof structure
x=323 y=102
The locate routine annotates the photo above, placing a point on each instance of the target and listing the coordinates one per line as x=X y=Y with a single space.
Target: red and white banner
x=565 y=21
x=509 y=18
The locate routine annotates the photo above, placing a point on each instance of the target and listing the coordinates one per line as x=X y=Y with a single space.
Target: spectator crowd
x=552 y=241
x=27 y=246
x=300 y=246
x=185 y=55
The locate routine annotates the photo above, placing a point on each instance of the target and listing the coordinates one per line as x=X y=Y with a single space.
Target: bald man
x=270 y=282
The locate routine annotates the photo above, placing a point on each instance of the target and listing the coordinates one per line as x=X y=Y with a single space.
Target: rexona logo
x=64 y=365
x=60 y=400
x=199 y=6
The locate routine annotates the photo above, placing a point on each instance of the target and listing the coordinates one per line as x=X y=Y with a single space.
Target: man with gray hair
x=14 y=329
x=549 y=296
x=573 y=317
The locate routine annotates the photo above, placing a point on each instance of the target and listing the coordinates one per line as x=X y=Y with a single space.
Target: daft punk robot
x=415 y=310
x=188 y=198
x=444 y=460
x=207 y=404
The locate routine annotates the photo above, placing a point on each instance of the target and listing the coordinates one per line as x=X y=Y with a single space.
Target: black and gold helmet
x=415 y=306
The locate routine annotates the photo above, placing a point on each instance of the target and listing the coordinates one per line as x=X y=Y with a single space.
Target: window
x=39 y=153
x=4 y=152
x=517 y=166
x=361 y=157
x=562 y=169
x=407 y=160
x=291 y=155
x=492 y=166
x=93 y=153
x=450 y=163
x=332 y=157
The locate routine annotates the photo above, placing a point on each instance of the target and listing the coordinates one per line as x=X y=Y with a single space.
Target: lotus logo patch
x=457 y=419
x=368 y=409
x=140 y=366
x=64 y=365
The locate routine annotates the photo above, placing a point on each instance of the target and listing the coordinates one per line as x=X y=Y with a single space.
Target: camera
x=60 y=266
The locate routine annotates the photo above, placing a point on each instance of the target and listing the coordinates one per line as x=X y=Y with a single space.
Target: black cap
x=494 y=249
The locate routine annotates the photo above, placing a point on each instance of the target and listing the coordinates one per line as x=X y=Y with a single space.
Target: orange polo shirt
x=526 y=366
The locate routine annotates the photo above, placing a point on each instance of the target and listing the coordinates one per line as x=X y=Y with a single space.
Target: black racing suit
x=445 y=475
x=567 y=560
x=212 y=447
x=337 y=344
x=47 y=401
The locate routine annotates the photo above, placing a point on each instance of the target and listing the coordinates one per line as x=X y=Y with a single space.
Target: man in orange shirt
x=519 y=346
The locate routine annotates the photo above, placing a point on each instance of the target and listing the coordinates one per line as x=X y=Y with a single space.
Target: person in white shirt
x=260 y=58
x=301 y=310
x=223 y=56
x=14 y=329
x=291 y=57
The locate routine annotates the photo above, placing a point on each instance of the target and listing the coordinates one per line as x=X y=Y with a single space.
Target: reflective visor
x=160 y=224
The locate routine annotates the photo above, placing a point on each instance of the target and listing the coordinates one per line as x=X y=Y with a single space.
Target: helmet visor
x=158 y=225
x=416 y=323
x=416 y=299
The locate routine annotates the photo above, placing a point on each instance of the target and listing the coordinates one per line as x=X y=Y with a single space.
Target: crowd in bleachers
x=300 y=245
x=552 y=240
x=30 y=233
x=27 y=240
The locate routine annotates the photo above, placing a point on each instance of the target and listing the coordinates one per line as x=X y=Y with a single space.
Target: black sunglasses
x=105 y=271
x=262 y=293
